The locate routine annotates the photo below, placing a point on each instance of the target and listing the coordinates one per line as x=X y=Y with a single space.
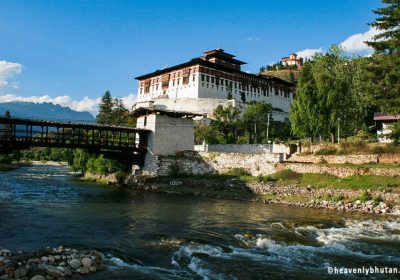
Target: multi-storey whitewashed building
x=203 y=83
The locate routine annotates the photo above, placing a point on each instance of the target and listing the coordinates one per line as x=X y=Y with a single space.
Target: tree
x=255 y=120
x=105 y=109
x=243 y=96
x=206 y=133
x=384 y=68
x=229 y=90
x=291 y=77
x=81 y=158
x=304 y=117
x=7 y=114
x=227 y=123
x=388 y=40
x=329 y=96
x=119 y=113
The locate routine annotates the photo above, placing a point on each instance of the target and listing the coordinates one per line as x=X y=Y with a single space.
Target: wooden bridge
x=124 y=143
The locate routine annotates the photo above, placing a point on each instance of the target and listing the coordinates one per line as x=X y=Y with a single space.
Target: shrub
x=120 y=176
x=286 y=174
x=327 y=196
x=238 y=172
x=174 y=170
x=377 y=150
x=322 y=160
x=337 y=198
x=5 y=159
x=377 y=199
x=365 y=196
x=326 y=151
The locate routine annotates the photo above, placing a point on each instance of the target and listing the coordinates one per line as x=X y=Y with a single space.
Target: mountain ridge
x=45 y=111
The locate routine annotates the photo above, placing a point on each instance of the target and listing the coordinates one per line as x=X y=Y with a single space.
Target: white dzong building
x=203 y=83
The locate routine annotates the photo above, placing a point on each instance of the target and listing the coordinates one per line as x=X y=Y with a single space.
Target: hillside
x=284 y=74
x=47 y=111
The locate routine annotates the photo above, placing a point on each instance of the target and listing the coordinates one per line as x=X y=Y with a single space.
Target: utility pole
x=268 y=126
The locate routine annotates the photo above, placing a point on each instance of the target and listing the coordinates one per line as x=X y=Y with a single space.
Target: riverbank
x=292 y=192
x=9 y=166
x=50 y=263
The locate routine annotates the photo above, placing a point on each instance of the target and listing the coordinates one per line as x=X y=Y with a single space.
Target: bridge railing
x=22 y=133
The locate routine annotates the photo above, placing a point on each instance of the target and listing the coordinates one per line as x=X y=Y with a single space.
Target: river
x=160 y=236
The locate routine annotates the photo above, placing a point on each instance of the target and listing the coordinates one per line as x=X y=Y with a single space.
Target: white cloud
x=7 y=71
x=85 y=104
x=253 y=39
x=356 y=43
x=308 y=53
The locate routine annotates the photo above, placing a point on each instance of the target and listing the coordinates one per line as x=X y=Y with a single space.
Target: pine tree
x=388 y=41
x=384 y=69
x=105 y=109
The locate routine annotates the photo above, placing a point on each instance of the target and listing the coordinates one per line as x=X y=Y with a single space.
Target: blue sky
x=71 y=52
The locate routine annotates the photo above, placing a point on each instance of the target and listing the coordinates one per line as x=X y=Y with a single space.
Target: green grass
x=365 y=165
x=356 y=182
x=289 y=177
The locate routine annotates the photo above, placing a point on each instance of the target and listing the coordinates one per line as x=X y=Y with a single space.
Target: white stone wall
x=213 y=162
x=169 y=135
x=241 y=148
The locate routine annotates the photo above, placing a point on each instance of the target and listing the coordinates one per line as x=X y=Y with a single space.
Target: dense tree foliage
x=227 y=122
x=112 y=111
x=384 y=66
x=256 y=120
x=230 y=126
x=330 y=96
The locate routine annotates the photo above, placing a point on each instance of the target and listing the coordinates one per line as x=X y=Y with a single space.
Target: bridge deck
x=17 y=134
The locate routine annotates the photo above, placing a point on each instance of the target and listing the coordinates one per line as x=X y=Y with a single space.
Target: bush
x=5 y=159
x=363 y=197
x=377 y=150
x=174 y=170
x=238 y=172
x=322 y=160
x=326 y=151
x=337 y=198
x=286 y=174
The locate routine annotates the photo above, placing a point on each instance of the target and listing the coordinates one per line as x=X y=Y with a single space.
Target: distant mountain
x=44 y=111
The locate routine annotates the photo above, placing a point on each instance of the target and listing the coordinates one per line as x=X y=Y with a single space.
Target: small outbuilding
x=384 y=123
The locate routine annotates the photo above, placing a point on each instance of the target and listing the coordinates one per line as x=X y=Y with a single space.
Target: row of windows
x=178 y=74
x=231 y=84
x=175 y=82
x=263 y=92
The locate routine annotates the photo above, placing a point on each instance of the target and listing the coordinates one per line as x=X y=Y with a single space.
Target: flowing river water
x=159 y=236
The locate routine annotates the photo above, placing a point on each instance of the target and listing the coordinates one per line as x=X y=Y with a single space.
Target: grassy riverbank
x=366 y=193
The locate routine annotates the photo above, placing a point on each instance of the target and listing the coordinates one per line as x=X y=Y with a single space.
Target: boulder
x=74 y=263
x=86 y=262
x=38 y=277
x=52 y=270
x=20 y=272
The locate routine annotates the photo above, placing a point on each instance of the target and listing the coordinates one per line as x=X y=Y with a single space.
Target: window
x=207 y=79
x=177 y=81
x=202 y=77
x=145 y=121
x=212 y=79
x=194 y=78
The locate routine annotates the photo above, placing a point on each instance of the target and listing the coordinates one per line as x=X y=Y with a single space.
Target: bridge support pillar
x=171 y=132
